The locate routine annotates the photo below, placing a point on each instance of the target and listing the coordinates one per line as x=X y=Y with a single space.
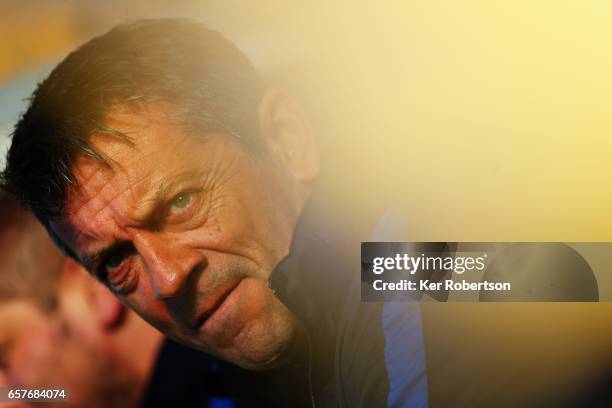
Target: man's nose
x=170 y=264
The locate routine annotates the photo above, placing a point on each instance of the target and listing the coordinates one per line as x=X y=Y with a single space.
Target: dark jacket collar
x=312 y=281
x=310 y=278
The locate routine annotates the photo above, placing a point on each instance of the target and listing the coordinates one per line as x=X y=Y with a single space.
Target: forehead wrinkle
x=117 y=178
x=90 y=190
x=119 y=213
x=134 y=179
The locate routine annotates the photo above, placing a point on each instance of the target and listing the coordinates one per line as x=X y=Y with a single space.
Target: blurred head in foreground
x=157 y=159
x=62 y=329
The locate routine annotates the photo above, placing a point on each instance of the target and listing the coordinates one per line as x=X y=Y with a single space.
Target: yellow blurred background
x=490 y=119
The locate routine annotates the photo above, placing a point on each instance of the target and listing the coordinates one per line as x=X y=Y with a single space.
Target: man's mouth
x=208 y=311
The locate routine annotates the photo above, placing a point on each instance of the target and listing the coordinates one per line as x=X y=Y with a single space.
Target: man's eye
x=116 y=270
x=181 y=201
x=114 y=261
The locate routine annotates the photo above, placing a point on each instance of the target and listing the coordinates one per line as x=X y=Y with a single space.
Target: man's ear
x=288 y=135
x=107 y=311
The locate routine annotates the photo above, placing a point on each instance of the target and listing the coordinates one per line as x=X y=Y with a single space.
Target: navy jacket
x=354 y=353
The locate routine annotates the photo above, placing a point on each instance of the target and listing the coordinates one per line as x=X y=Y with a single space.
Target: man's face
x=186 y=231
x=27 y=351
x=46 y=350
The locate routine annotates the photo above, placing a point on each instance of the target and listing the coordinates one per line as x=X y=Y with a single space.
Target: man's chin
x=251 y=328
x=259 y=349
